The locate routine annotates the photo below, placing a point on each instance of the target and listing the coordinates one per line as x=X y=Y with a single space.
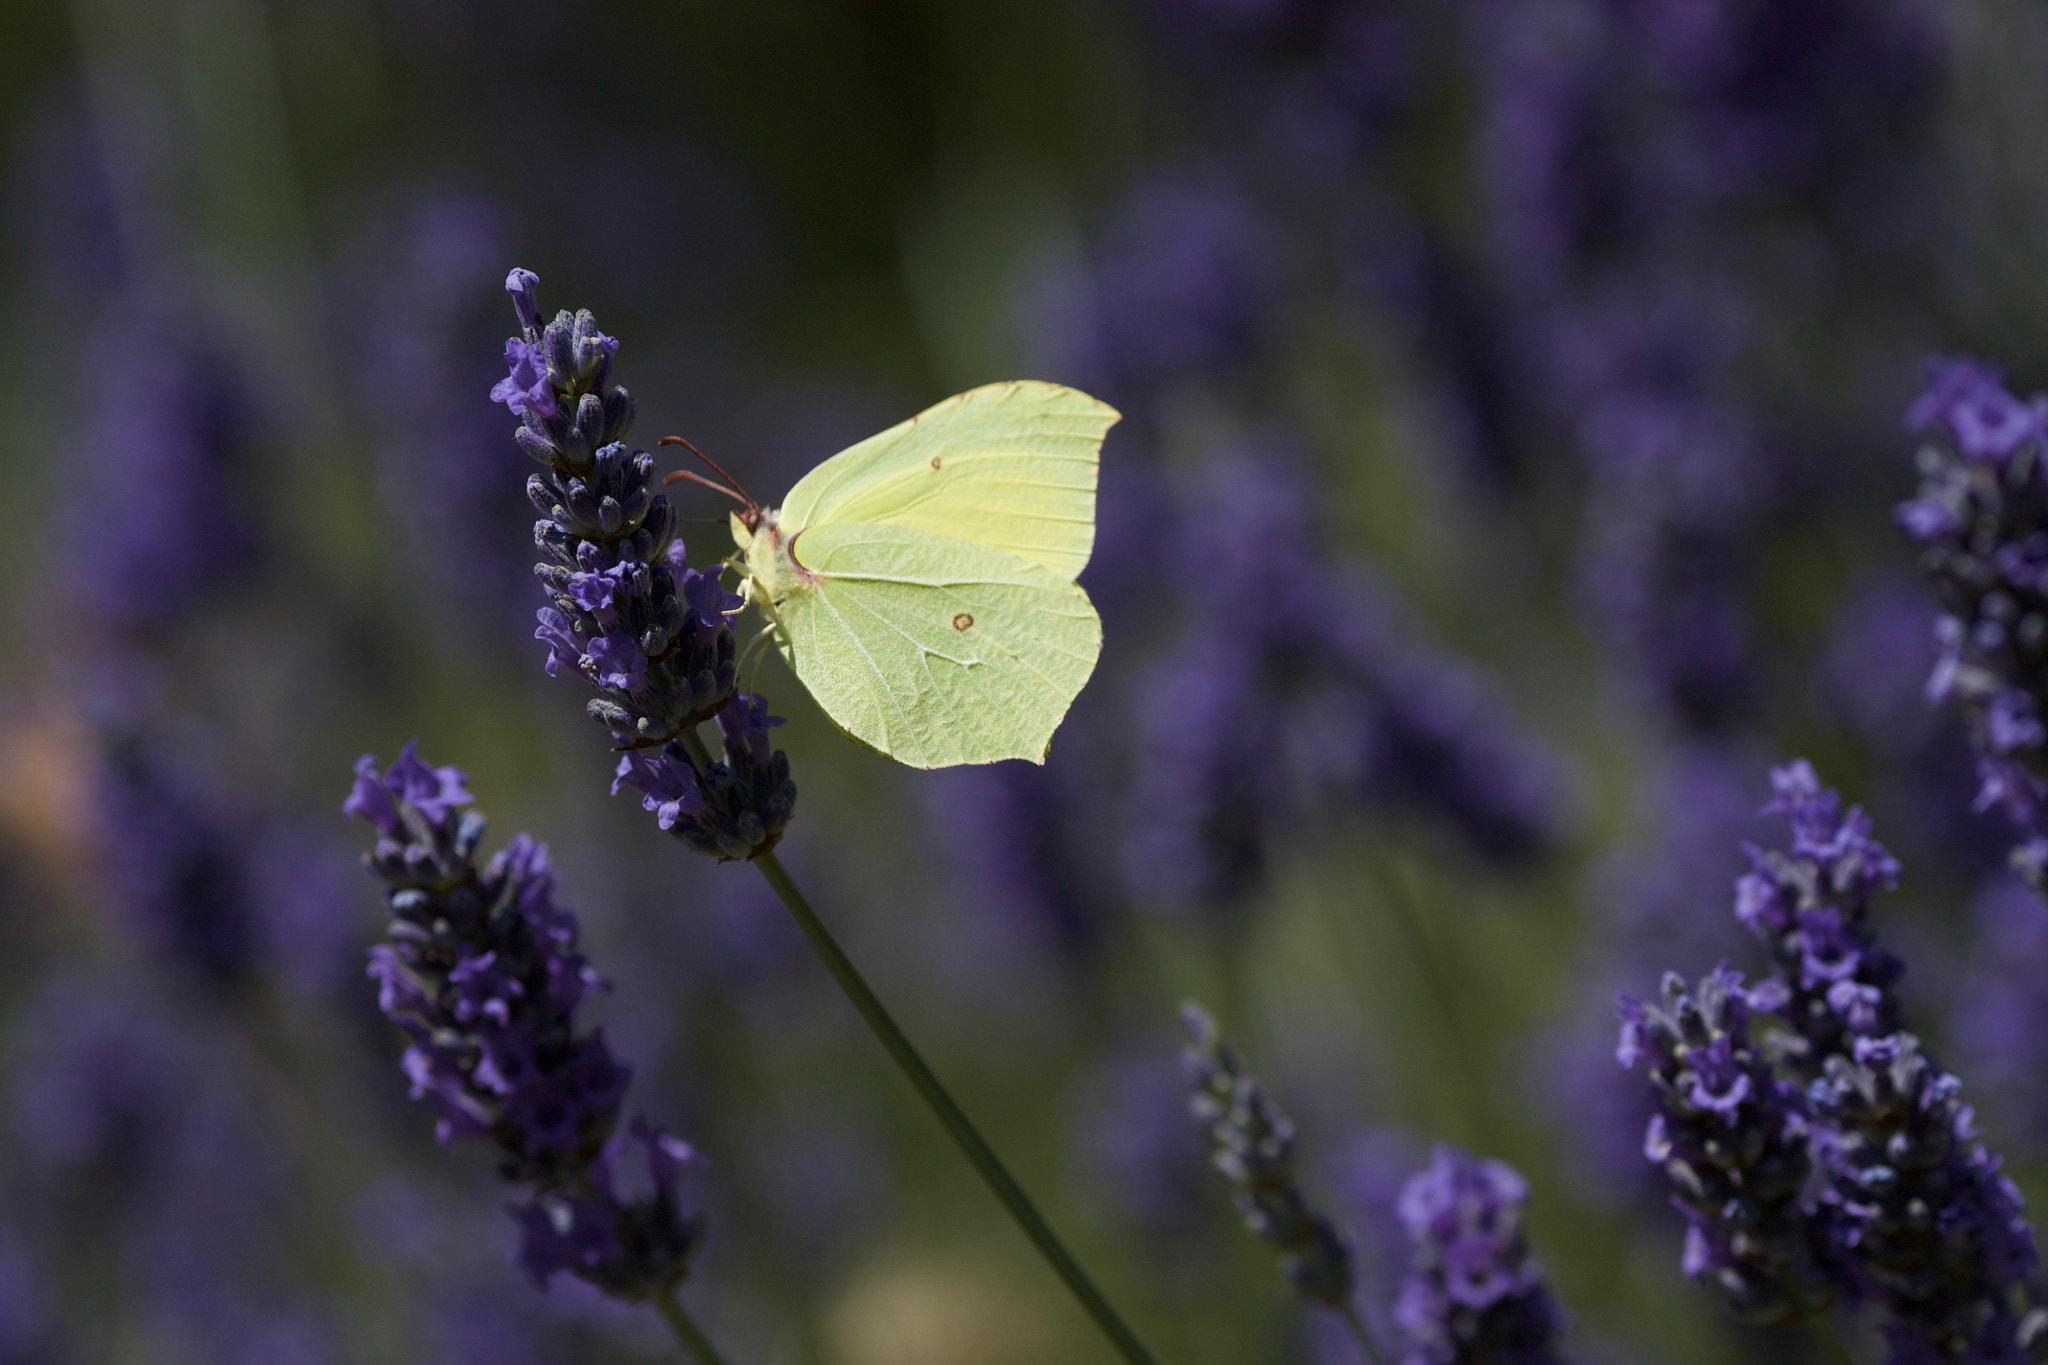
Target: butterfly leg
x=750 y=654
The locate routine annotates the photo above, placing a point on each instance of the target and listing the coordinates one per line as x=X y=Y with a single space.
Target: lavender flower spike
x=1474 y=1294
x=1809 y=906
x=1252 y=1144
x=1981 y=517
x=1941 y=1235
x=649 y=633
x=1733 y=1139
x=480 y=970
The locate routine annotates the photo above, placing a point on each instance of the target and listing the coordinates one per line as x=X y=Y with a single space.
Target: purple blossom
x=1981 y=517
x=1732 y=1138
x=1940 y=1235
x=633 y=1246
x=650 y=634
x=1473 y=1293
x=1809 y=907
x=481 y=972
x=732 y=810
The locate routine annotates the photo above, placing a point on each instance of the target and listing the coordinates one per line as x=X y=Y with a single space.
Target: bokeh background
x=1512 y=404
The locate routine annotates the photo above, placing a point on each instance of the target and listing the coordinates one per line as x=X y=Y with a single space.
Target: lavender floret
x=1940 y=1235
x=1981 y=516
x=1809 y=906
x=1733 y=1139
x=1252 y=1144
x=480 y=970
x=732 y=810
x=1473 y=1294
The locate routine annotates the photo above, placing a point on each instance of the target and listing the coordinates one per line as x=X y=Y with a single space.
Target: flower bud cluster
x=731 y=810
x=1809 y=906
x=1981 y=517
x=1733 y=1139
x=1909 y=1212
x=480 y=970
x=648 y=632
x=1473 y=1293
x=1252 y=1144
x=1941 y=1237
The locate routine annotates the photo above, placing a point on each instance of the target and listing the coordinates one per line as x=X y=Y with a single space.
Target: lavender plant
x=1980 y=515
x=654 y=638
x=1252 y=1144
x=480 y=970
x=1474 y=1294
x=1910 y=1212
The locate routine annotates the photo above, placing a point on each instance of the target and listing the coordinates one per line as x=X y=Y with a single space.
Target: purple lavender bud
x=524 y=287
x=634 y=1244
x=732 y=810
x=1252 y=1143
x=1809 y=906
x=1732 y=1138
x=1981 y=517
x=1940 y=1235
x=1473 y=1293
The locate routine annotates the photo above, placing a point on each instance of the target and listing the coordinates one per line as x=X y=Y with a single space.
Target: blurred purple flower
x=1473 y=1292
x=1940 y=1235
x=1299 y=689
x=446 y=480
x=1981 y=515
x=163 y=521
x=177 y=863
x=1732 y=1138
x=1178 y=292
x=1809 y=906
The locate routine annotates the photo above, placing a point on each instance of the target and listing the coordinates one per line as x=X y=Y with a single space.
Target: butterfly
x=921 y=583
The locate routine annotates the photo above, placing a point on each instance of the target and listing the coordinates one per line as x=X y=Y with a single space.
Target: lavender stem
x=686 y=1330
x=977 y=1151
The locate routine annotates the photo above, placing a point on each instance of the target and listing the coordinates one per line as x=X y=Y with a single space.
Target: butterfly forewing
x=1007 y=466
x=936 y=650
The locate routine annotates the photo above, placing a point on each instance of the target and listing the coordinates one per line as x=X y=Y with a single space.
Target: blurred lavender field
x=1516 y=413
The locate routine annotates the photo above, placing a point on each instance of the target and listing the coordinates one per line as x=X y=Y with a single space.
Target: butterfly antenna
x=731 y=488
x=694 y=477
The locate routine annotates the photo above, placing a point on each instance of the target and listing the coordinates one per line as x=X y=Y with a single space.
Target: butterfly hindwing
x=1008 y=466
x=936 y=650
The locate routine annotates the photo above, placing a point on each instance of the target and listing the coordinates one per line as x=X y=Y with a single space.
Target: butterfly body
x=921 y=583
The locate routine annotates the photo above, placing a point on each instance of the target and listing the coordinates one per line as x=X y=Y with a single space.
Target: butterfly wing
x=936 y=650
x=1008 y=466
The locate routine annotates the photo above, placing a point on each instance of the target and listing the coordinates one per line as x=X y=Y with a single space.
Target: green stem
x=686 y=1329
x=970 y=1142
x=979 y=1154
x=1364 y=1335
